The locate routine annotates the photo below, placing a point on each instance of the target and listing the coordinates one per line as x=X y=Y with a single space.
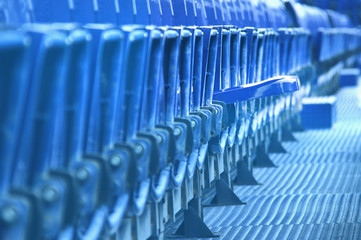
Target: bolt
x=177 y=131
x=115 y=160
x=159 y=139
x=9 y=214
x=49 y=194
x=194 y=123
x=138 y=149
x=82 y=174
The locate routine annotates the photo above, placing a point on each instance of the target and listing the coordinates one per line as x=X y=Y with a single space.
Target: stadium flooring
x=314 y=193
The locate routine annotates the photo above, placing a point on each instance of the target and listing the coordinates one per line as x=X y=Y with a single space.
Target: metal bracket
x=193 y=227
x=244 y=176
x=262 y=160
x=225 y=196
x=287 y=135
x=275 y=146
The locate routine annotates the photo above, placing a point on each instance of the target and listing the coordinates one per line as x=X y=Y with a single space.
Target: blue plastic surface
x=318 y=112
x=269 y=87
x=102 y=97
x=349 y=77
x=169 y=70
x=14 y=47
x=210 y=55
x=70 y=125
x=43 y=99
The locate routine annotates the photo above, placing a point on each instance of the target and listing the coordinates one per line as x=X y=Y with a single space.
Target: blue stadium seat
x=14 y=69
x=118 y=118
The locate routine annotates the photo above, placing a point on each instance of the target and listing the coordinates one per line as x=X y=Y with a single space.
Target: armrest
x=270 y=87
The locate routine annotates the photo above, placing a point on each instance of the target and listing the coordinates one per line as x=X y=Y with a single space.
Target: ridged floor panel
x=314 y=193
